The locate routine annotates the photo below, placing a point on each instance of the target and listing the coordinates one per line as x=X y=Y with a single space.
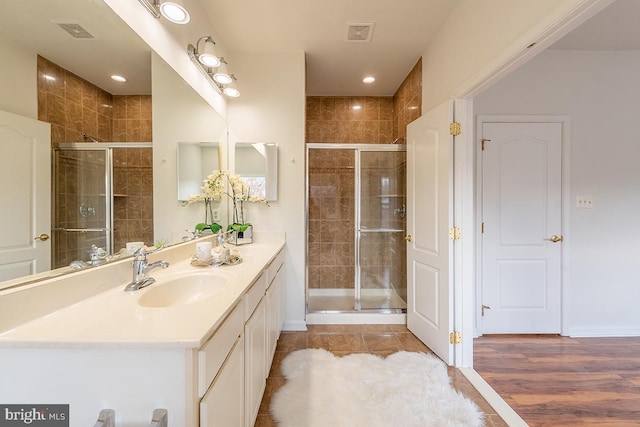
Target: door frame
x=565 y=121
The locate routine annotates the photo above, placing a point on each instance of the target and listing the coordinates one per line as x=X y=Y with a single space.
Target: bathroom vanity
x=199 y=342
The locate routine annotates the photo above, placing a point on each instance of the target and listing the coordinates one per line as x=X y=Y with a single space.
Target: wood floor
x=559 y=381
x=346 y=339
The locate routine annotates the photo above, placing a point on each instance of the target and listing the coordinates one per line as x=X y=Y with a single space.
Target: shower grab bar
x=81 y=230
x=159 y=418
x=106 y=418
x=379 y=230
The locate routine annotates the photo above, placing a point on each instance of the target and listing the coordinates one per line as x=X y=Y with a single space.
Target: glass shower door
x=380 y=216
x=82 y=213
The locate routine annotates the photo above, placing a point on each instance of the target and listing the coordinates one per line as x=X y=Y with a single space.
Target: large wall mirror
x=89 y=43
x=257 y=165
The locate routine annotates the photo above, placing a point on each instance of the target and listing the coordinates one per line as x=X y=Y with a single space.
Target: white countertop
x=114 y=318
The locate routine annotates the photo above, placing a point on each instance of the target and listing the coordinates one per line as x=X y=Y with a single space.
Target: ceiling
x=335 y=67
x=114 y=48
x=402 y=32
x=615 y=28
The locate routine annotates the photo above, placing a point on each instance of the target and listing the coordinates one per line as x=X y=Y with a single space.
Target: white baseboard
x=294 y=325
x=505 y=411
x=603 y=332
x=356 y=319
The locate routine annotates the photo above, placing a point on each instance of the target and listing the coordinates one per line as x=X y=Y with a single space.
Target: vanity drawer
x=215 y=351
x=274 y=267
x=254 y=295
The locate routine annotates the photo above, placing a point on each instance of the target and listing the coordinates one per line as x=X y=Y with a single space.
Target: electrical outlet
x=216 y=215
x=584 y=202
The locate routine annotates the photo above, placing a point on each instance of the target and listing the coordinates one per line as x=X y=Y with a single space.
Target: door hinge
x=455 y=337
x=455 y=129
x=483 y=141
x=455 y=233
x=483 y=228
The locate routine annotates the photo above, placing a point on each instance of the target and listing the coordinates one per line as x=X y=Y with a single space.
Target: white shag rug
x=404 y=389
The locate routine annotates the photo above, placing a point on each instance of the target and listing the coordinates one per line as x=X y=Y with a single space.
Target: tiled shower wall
x=331 y=219
x=75 y=107
x=378 y=120
x=407 y=102
x=133 y=196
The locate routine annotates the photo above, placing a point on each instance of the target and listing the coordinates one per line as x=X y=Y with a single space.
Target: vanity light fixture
x=207 y=56
x=220 y=79
x=222 y=76
x=230 y=90
x=173 y=11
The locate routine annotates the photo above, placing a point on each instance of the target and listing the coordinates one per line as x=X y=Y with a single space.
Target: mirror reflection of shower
x=102 y=198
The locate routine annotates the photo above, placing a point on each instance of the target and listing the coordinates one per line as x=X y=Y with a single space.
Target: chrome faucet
x=194 y=235
x=141 y=269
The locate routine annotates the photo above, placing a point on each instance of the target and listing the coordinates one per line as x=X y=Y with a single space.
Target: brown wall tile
x=79 y=107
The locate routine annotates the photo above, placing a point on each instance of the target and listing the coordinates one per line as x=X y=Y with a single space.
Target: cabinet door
x=273 y=310
x=280 y=298
x=275 y=314
x=223 y=404
x=255 y=336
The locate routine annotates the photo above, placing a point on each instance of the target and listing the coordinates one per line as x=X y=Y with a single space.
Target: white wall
x=18 y=79
x=599 y=91
x=170 y=41
x=179 y=115
x=271 y=108
x=479 y=37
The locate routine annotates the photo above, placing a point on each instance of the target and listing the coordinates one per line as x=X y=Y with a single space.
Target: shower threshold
x=331 y=306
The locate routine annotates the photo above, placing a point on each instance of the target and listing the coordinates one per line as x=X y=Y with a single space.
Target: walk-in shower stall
x=356 y=252
x=102 y=196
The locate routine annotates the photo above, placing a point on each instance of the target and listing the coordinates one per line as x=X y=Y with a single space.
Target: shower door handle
x=408 y=238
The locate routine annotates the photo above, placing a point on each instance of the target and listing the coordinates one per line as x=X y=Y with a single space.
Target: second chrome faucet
x=141 y=270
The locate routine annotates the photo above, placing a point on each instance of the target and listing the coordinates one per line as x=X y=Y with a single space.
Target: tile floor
x=346 y=339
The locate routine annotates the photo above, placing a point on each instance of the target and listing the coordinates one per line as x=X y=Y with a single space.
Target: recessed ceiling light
x=118 y=78
x=369 y=80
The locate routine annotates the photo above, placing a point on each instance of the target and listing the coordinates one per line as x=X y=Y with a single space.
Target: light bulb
x=174 y=12
x=231 y=92
x=208 y=56
x=222 y=78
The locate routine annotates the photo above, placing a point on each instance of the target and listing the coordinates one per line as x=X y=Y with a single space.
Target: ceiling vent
x=75 y=30
x=359 y=32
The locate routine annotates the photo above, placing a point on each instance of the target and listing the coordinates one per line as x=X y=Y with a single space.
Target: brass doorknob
x=42 y=237
x=408 y=238
x=555 y=239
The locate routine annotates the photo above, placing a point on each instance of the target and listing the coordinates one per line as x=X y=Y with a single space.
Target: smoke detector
x=74 y=30
x=360 y=32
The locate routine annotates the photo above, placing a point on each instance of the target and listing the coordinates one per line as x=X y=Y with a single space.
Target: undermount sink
x=182 y=290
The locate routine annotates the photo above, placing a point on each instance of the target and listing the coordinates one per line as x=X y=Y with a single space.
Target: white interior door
x=521 y=212
x=429 y=216
x=25 y=196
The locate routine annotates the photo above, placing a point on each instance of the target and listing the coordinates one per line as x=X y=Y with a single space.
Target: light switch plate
x=584 y=202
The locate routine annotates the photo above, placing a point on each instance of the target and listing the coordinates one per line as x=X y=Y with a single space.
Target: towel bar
x=160 y=418
x=106 y=418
